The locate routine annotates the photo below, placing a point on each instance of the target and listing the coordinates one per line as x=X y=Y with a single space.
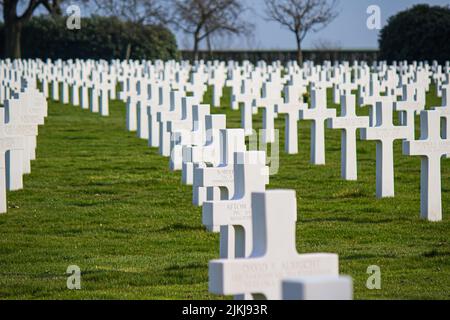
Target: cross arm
x=425 y=148
x=213 y=177
x=219 y=213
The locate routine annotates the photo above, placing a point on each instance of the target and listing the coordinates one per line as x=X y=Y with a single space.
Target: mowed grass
x=99 y=198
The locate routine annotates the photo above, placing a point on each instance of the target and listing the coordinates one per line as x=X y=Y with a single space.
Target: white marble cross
x=44 y=87
x=23 y=123
x=221 y=178
x=14 y=146
x=268 y=102
x=390 y=81
x=163 y=106
x=65 y=91
x=18 y=159
x=179 y=132
x=36 y=103
x=444 y=111
x=207 y=154
x=247 y=101
x=235 y=82
x=75 y=88
x=385 y=133
x=349 y=122
x=173 y=114
x=296 y=86
x=372 y=97
x=75 y=94
x=55 y=88
x=103 y=92
x=93 y=100
x=322 y=80
x=291 y=108
x=131 y=107
x=218 y=82
x=84 y=95
x=318 y=113
x=197 y=86
x=245 y=88
x=34 y=110
x=343 y=87
x=274 y=256
x=194 y=137
x=412 y=102
x=431 y=147
x=233 y=217
x=153 y=109
x=142 y=130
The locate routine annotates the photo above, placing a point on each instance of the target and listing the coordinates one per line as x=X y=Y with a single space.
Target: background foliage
x=98 y=38
x=420 y=33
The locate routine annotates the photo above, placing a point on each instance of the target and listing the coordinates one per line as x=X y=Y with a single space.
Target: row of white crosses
x=250 y=226
x=252 y=85
x=431 y=147
x=379 y=126
x=178 y=125
x=158 y=111
x=225 y=177
x=254 y=224
x=233 y=187
x=230 y=181
x=22 y=113
x=88 y=85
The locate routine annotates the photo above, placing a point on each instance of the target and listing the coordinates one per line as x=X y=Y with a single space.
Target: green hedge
x=420 y=33
x=98 y=38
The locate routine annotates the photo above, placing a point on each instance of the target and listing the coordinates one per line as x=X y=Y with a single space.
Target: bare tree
x=204 y=19
x=301 y=17
x=14 y=21
x=137 y=11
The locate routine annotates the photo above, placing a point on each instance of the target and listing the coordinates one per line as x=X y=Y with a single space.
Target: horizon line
x=275 y=50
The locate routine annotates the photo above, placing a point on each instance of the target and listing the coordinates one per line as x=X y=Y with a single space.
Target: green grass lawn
x=99 y=198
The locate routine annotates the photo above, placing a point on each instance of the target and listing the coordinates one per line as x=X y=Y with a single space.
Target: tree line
x=419 y=33
x=202 y=20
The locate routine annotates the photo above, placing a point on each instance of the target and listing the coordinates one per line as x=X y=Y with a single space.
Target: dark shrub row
x=98 y=38
x=420 y=33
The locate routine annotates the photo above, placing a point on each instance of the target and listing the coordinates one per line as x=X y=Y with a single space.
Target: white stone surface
x=14 y=145
x=348 y=122
x=274 y=256
x=318 y=113
x=19 y=123
x=444 y=111
x=411 y=103
x=431 y=147
x=208 y=154
x=250 y=175
x=385 y=133
x=291 y=108
x=219 y=180
x=180 y=131
x=195 y=137
x=318 y=288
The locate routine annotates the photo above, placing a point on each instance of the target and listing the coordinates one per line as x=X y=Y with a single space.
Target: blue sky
x=348 y=30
